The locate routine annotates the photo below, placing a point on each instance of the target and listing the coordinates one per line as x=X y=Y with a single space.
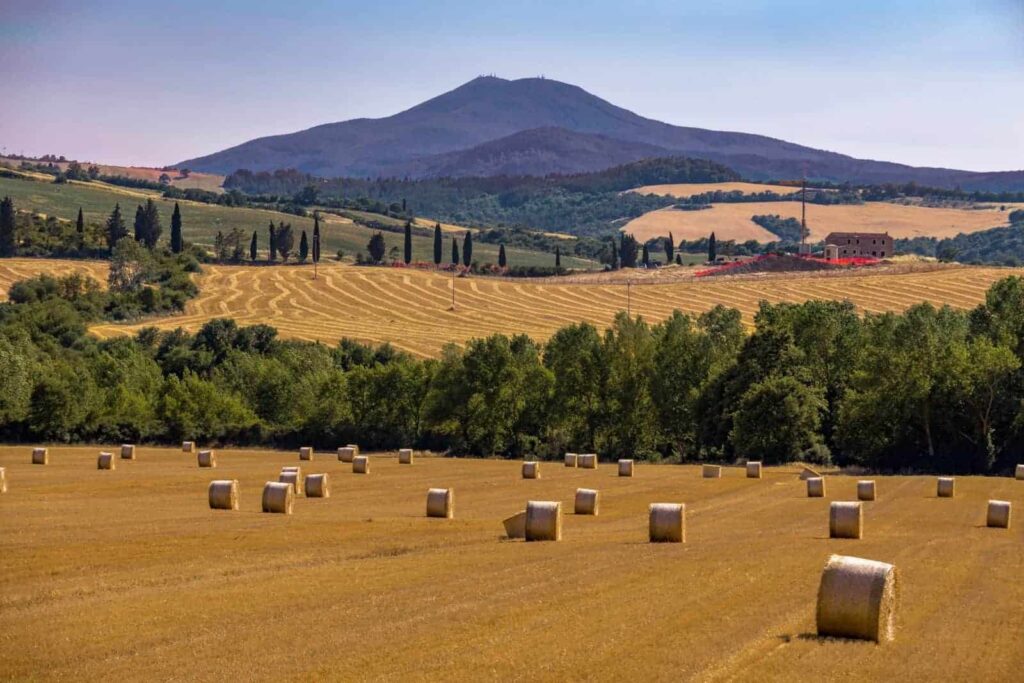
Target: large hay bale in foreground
x=278 y=497
x=587 y=502
x=40 y=456
x=360 y=465
x=531 y=469
x=3 y=480
x=809 y=473
x=998 y=514
x=346 y=453
x=667 y=523
x=317 y=486
x=753 y=469
x=945 y=487
x=1019 y=472
x=587 y=461
x=127 y=451
x=815 y=487
x=866 y=489
x=441 y=503
x=207 y=459
x=515 y=526
x=293 y=479
x=188 y=446
x=571 y=459
x=625 y=468
x=306 y=453
x=405 y=456
x=106 y=461
x=858 y=598
x=711 y=471
x=223 y=494
x=845 y=520
x=543 y=521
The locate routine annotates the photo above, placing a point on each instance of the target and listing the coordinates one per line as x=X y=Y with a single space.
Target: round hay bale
x=106 y=461
x=317 y=486
x=1019 y=472
x=587 y=502
x=625 y=468
x=543 y=521
x=223 y=494
x=571 y=460
x=945 y=487
x=306 y=453
x=293 y=479
x=278 y=497
x=711 y=472
x=815 y=487
x=753 y=469
x=999 y=514
x=188 y=446
x=360 y=465
x=667 y=523
x=40 y=456
x=531 y=469
x=3 y=480
x=866 y=489
x=807 y=472
x=405 y=456
x=587 y=461
x=845 y=520
x=441 y=503
x=127 y=451
x=293 y=468
x=206 y=459
x=354 y=447
x=858 y=598
x=515 y=526
x=346 y=453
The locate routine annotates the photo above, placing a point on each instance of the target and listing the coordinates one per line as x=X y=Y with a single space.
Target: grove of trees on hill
x=930 y=389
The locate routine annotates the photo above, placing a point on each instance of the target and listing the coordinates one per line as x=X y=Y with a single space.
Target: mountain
x=535 y=126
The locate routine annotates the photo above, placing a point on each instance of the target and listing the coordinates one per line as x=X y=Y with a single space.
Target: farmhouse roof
x=861 y=235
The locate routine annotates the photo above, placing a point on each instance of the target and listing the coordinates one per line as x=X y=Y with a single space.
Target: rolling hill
x=418 y=142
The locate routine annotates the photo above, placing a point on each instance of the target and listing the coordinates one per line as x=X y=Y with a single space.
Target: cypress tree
x=455 y=251
x=501 y=256
x=140 y=224
x=80 y=224
x=647 y=256
x=712 y=248
x=151 y=224
x=7 y=227
x=408 y=239
x=316 y=238
x=467 y=249
x=437 y=244
x=253 y=247
x=670 y=247
x=176 y=244
x=558 y=257
x=303 y=247
x=273 y=244
x=615 y=255
x=116 y=229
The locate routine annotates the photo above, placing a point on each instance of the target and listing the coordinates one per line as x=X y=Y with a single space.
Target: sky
x=929 y=83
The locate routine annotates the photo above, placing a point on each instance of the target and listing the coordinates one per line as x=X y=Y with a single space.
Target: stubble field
x=128 y=575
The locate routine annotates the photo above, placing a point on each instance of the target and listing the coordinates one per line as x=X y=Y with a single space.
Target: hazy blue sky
x=924 y=82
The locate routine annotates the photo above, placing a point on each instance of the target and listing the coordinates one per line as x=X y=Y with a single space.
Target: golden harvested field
x=13 y=270
x=732 y=221
x=686 y=190
x=203 y=181
x=410 y=308
x=128 y=575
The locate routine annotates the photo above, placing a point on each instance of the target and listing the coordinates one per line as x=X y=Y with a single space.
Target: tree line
x=930 y=389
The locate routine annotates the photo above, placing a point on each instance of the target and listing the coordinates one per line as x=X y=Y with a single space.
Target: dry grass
x=137 y=556
x=686 y=190
x=15 y=269
x=732 y=221
x=411 y=309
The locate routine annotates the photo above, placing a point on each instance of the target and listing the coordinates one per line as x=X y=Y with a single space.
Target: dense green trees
x=147 y=224
x=930 y=389
x=376 y=247
x=116 y=230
